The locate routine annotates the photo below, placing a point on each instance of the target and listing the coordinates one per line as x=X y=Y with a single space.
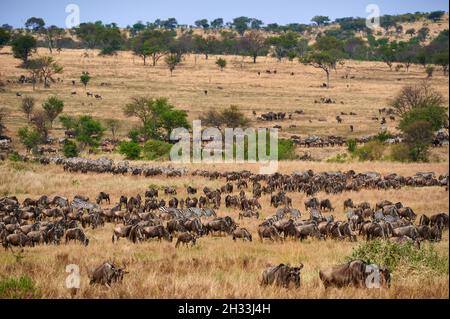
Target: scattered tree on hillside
x=53 y=106
x=23 y=46
x=221 y=63
x=85 y=78
x=27 y=106
x=172 y=61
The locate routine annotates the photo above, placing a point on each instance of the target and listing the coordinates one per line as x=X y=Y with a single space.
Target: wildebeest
x=326 y=205
x=121 y=231
x=242 y=233
x=282 y=276
x=185 y=239
x=355 y=273
x=102 y=196
x=268 y=232
x=303 y=231
x=76 y=234
x=106 y=274
x=157 y=232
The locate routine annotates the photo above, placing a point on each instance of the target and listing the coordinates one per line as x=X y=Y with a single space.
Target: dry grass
x=217 y=267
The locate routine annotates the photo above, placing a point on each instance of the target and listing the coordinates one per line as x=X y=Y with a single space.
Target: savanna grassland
x=217 y=267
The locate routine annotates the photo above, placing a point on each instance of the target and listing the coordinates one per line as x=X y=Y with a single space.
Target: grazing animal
x=242 y=233
x=103 y=197
x=107 y=274
x=185 y=239
x=355 y=274
x=282 y=276
x=76 y=234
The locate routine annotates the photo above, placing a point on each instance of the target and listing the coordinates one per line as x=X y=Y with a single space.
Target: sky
x=127 y=12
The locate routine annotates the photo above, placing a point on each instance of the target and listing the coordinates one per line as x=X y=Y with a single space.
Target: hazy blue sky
x=124 y=12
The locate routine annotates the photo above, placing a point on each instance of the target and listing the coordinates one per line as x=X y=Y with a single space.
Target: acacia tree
x=325 y=54
x=27 y=106
x=113 y=126
x=253 y=44
x=85 y=78
x=53 y=107
x=158 y=117
x=172 y=61
x=221 y=63
x=5 y=36
x=23 y=46
x=153 y=44
x=44 y=68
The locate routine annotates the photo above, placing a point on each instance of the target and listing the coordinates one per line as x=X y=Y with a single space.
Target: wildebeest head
x=294 y=276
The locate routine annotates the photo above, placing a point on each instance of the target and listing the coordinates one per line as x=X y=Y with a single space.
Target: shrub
x=30 y=138
x=383 y=136
x=131 y=150
x=18 y=288
x=70 y=149
x=154 y=150
x=133 y=134
x=286 y=149
x=339 y=158
x=351 y=145
x=400 y=153
x=371 y=151
x=221 y=63
x=404 y=258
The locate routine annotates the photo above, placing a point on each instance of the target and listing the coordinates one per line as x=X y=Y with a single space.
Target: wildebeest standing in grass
x=76 y=234
x=242 y=233
x=356 y=274
x=185 y=239
x=102 y=196
x=268 y=232
x=282 y=276
x=106 y=274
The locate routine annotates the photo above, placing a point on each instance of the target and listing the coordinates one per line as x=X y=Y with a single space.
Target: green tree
x=53 y=106
x=158 y=116
x=230 y=118
x=172 y=61
x=23 y=46
x=44 y=68
x=5 y=36
x=203 y=23
x=422 y=113
x=217 y=23
x=85 y=78
x=35 y=24
x=155 y=150
x=441 y=59
x=113 y=125
x=88 y=131
x=221 y=63
x=321 y=20
x=253 y=44
x=131 y=150
x=325 y=60
x=30 y=138
x=436 y=15
x=70 y=149
x=152 y=43
x=241 y=24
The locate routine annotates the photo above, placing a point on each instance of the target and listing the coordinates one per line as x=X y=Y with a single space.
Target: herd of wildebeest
x=161 y=214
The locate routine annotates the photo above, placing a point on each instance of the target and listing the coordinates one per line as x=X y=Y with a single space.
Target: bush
x=131 y=150
x=18 y=288
x=351 y=145
x=154 y=150
x=404 y=258
x=286 y=149
x=371 y=151
x=339 y=158
x=429 y=70
x=29 y=137
x=383 y=136
x=70 y=149
x=400 y=153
